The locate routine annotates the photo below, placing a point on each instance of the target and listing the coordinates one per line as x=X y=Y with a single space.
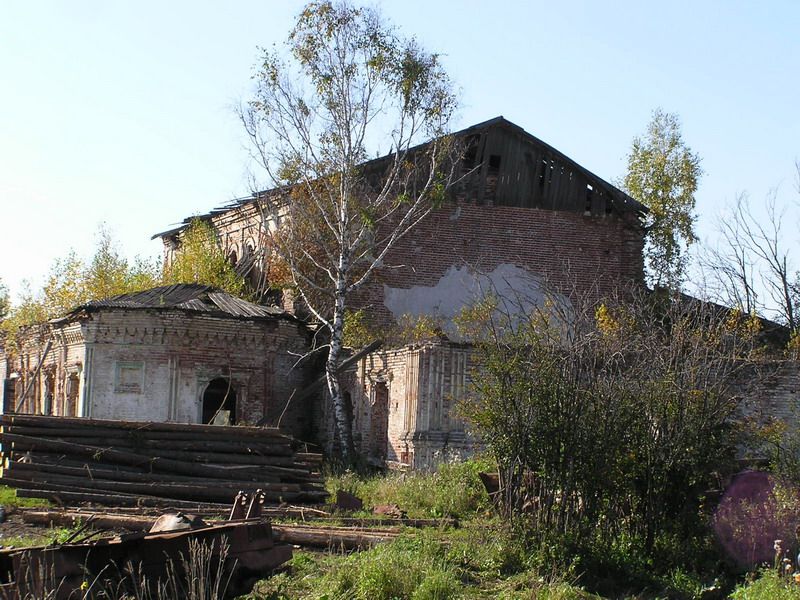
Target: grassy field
x=481 y=558
x=484 y=558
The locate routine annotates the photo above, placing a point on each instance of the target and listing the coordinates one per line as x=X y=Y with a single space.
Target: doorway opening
x=219 y=403
x=379 y=424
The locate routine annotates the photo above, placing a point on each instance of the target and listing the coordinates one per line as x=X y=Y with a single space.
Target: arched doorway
x=219 y=402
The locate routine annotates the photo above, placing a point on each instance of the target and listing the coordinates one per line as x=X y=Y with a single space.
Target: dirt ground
x=14 y=527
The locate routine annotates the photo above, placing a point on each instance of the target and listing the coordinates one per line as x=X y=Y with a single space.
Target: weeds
x=768 y=586
x=8 y=497
x=453 y=490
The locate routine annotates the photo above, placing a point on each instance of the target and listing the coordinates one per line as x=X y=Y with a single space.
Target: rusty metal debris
x=242 y=551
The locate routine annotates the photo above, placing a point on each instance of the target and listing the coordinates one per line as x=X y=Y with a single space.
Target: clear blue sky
x=120 y=112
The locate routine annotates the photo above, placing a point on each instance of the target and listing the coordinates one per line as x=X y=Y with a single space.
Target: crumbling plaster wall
x=468 y=246
x=155 y=365
x=180 y=353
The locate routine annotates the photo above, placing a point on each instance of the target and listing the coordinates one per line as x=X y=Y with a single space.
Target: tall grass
x=768 y=586
x=453 y=490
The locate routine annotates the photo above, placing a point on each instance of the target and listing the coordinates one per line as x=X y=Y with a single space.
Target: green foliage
x=73 y=281
x=110 y=274
x=8 y=497
x=767 y=586
x=453 y=490
x=5 y=301
x=480 y=560
x=200 y=259
x=662 y=175
x=411 y=568
x=358 y=329
x=608 y=423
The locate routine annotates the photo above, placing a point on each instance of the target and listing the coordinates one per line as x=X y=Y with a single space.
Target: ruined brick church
x=521 y=215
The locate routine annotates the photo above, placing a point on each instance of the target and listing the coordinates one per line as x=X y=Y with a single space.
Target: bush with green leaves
x=607 y=422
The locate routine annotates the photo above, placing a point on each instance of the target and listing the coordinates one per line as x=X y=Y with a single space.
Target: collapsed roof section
x=186 y=297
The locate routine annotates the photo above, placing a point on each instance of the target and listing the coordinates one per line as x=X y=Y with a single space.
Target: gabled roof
x=186 y=297
x=624 y=201
x=617 y=200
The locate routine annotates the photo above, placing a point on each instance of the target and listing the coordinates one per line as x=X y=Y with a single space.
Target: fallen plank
x=331 y=537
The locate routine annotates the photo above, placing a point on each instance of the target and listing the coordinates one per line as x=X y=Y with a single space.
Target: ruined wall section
x=56 y=388
x=771 y=392
x=155 y=365
x=568 y=252
x=145 y=365
x=418 y=424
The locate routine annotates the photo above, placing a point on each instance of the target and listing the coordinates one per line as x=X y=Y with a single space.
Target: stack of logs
x=121 y=463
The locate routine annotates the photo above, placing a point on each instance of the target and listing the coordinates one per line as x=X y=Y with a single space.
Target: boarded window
x=129 y=377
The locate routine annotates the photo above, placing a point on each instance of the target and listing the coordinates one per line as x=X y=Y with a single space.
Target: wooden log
x=99 y=520
x=36 y=472
x=378 y=522
x=281 y=452
x=225 y=435
x=59 y=422
x=315 y=537
x=64 y=496
x=212 y=492
x=284 y=462
x=236 y=472
x=329 y=537
x=164 y=465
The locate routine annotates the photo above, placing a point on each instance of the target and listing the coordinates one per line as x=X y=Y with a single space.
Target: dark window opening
x=219 y=403
x=589 y=195
x=608 y=205
x=9 y=395
x=49 y=393
x=494 y=162
x=232 y=258
x=73 y=387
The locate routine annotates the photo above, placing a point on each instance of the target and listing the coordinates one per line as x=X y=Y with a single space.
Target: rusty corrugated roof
x=189 y=297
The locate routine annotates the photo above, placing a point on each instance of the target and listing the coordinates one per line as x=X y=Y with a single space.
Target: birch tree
x=346 y=87
x=662 y=175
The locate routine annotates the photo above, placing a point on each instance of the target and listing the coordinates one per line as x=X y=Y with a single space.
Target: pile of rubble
x=122 y=463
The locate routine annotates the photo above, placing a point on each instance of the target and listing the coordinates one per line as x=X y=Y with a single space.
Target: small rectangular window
x=129 y=377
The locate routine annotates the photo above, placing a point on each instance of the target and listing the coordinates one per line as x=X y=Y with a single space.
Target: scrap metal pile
x=121 y=463
x=180 y=556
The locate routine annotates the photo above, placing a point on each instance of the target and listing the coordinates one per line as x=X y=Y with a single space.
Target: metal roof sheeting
x=186 y=296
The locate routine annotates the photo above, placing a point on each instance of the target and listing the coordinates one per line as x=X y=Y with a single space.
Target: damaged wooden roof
x=188 y=297
x=504 y=165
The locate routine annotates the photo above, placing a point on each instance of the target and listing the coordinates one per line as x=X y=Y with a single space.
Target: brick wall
x=570 y=253
x=771 y=391
x=424 y=383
